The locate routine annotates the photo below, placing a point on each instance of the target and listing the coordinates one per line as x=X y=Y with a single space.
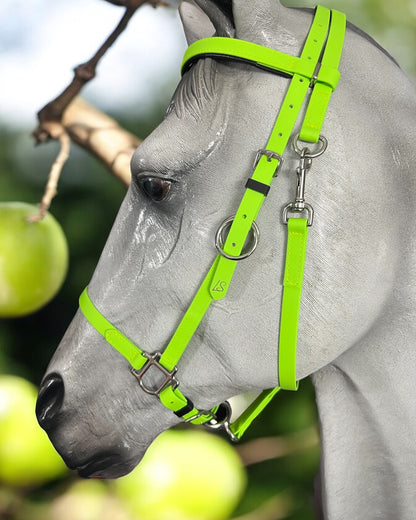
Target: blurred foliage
x=86 y=206
x=392 y=24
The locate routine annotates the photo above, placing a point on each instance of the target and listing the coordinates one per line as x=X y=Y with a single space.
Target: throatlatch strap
x=239 y=426
x=292 y=283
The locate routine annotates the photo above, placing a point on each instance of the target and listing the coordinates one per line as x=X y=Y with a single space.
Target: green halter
x=316 y=68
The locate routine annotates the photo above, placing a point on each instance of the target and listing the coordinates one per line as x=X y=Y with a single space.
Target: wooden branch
x=53 y=111
x=51 y=188
x=66 y=117
x=101 y=135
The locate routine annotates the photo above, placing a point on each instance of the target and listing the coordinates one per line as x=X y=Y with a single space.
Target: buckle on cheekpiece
x=270 y=154
x=153 y=361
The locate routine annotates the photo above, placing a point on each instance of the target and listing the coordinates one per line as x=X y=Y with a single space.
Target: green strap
x=252 y=200
x=249 y=52
x=239 y=426
x=171 y=398
x=116 y=338
x=189 y=323
x=292 y=283
x=326 y=81
x=266 y=57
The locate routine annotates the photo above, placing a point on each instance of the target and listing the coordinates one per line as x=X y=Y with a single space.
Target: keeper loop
x=186 y=409
x=260 y=187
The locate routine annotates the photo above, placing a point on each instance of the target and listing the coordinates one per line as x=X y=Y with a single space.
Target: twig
x=266 y=448
x=59 y=133
x=53 y=111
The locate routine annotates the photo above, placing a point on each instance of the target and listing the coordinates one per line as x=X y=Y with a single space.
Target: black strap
x=260 y=187
x=186 y=409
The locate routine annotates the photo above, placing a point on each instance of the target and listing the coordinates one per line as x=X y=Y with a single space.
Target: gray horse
x=358 y=312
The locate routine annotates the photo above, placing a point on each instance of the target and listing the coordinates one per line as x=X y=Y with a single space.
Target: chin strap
x=325 y=40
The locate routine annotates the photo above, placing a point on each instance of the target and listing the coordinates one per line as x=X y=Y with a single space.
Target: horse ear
x=204 y=18
x=265 y=13
x=196 y=24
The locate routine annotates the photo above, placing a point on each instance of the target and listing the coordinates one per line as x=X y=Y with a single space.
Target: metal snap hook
x=222 y=421
x=220 y=239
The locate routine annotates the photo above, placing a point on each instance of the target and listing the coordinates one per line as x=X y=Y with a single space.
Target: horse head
x=188 y=175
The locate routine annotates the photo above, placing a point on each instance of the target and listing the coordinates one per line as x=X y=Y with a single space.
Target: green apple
x=27 y=458
x=185 y=475
x=87 y=500
x=33 y=259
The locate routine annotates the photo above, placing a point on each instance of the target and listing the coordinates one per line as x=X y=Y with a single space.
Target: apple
x=33 y=259
x=185 y=475
x=27 y=458
x=87 y=500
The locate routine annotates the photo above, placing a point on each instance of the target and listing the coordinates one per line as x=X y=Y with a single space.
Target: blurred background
x=40 y=43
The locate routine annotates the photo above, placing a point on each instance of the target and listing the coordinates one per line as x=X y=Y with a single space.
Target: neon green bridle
x=315 y=69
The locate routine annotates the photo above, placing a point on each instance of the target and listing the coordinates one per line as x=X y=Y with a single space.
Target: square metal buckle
x=270 y=155
x=153 y=361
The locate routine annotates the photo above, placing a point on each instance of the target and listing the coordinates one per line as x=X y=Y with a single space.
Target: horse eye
x=155 y=188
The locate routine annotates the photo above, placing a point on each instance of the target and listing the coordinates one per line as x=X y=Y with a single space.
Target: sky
x=42 y=40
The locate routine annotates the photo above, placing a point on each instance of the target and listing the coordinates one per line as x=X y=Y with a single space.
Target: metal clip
x=153 y=361
x=200 y=414
x=304 y=165
x=305 y=162
x=308 y=210
x=221 y=421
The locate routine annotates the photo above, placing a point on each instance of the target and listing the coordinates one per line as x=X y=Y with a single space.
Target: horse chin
x=95 y=462
x=108 y=464
x=105 y=466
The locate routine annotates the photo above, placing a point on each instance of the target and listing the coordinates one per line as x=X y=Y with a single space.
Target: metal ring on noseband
x=220 y=240
x=309 y=154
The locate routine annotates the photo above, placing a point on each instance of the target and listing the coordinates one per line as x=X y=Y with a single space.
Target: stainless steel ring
x=309 y=154
x=220 y=240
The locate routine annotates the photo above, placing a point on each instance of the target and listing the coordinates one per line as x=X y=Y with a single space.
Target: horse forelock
x=196 y=88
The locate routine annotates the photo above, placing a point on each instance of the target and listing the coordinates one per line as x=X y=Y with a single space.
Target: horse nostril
x=50 y=398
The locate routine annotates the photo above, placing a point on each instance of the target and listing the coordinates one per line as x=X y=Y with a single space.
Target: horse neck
x=367 y=413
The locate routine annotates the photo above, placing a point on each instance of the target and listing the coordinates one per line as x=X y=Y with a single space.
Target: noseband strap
x=316 y=69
